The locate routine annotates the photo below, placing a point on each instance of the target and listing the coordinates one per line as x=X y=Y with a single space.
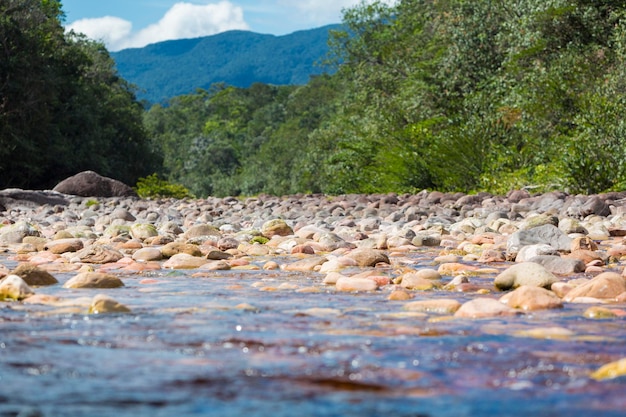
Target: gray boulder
x=547 y=234
x=91 y=184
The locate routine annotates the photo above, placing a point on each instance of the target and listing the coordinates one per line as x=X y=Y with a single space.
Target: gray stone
x=91 y=184
x=558 y=265
x=525 y=273
x=547 y=234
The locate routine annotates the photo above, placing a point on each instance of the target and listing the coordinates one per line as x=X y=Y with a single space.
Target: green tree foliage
x=63 y=108
x=453 y=94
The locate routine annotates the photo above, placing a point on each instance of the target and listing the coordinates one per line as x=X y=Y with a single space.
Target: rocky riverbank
x=432 y=255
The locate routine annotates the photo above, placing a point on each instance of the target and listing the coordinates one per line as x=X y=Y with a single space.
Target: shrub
x=153 y=186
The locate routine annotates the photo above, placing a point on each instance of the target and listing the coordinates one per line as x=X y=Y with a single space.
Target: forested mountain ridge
x=449 y=95
x=238 y=58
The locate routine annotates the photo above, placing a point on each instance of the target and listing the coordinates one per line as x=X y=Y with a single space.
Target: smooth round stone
x=13 y=287
x=611 y=370
x=33 y=275
x=60 y=246
x=400 y=295
x=546 y=333
x=276 y=227
x=427 y=273
x=367 y=257
x=94 y=280
x=608 y=285
x=484 y=307
x=216 y=266
x=455 y=268
x=597 y=312
x=525 y=273
x=175 y=248
x=412 y=281
x=143 y=231
x=306 y=264
x=271 y=266
x=147 y=254
x=349 y=284
x=99 y=254
x=532 y=298
x=184 y=261
x=531 y=251
x=439 y=306
x=103 y=304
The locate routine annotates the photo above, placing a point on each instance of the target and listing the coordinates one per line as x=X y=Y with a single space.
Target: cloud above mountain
x=182 y=20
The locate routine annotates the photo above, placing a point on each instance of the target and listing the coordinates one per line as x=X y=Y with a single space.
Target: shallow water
x=190 y=349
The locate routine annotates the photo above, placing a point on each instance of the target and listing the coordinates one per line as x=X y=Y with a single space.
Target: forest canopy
x=63 y=108
x=452 y=95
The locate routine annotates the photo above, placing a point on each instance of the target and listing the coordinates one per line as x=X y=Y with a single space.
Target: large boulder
x=91 y=184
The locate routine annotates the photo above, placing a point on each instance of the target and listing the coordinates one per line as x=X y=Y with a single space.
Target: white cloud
x=110 y=30
x=183 y=20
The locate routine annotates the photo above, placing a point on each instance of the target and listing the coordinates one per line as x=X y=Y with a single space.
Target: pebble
x=94 y=280
x=12 y=287
x=484 y=307
x=525 y=273
x=569 y=249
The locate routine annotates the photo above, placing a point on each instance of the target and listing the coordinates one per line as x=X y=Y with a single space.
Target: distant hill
x=167 y=69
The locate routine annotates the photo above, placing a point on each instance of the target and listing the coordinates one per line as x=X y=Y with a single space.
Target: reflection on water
x=219 y=346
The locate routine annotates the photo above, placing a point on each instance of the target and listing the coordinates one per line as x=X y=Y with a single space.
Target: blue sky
x=135 y=23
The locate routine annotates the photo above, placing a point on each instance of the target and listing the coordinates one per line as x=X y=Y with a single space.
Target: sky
x=122 y=24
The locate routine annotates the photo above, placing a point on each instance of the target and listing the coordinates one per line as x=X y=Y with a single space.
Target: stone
x=218 y=255
x=303 y=249
x=276 y=227
x=91 y=184
x=547 y=234
x=599 y=313
x=583 y=243
x=99 y=254
x=568 y=226
x=400 y=295
x=147 y=254
x=525 y=273
x=586 y=256
x=428 y=273
x=483 y=307
x=227 y=243
x=368 y=257
x=413 y=281
x=103 y=304
x=558 y=265
x=15 y=197
x=174 y=248
x=530 y=251
x=143 y=231
x=532 y=298
x=94 y=280
x=306 y=265
x=184 y=261
x=33 y=275
x=13 y=287
x=610 y=370
x=332 y=277
x=608 y=285
x=438 y=306
x=16 y=232
x=202 y=230
x=60 y=246
x=349 y=284
x=426 y=240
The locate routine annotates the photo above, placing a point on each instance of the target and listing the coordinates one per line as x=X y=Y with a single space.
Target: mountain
x=239 y=58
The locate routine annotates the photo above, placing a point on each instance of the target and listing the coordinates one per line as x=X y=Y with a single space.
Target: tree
x=63 y=108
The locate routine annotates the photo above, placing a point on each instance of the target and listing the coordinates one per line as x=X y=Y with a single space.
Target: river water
x=220 y=346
